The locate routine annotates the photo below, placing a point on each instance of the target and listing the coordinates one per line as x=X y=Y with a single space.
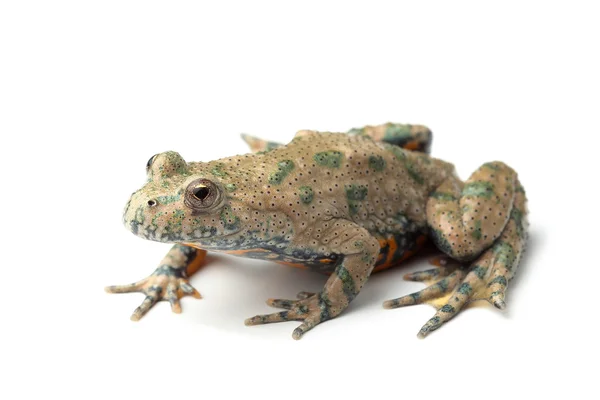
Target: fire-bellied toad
x=346 y=204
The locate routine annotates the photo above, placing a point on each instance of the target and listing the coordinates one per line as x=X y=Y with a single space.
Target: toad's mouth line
x=214 y=237
x=164 y=238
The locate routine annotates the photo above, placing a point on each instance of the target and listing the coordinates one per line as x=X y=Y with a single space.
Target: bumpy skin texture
x=345 y=204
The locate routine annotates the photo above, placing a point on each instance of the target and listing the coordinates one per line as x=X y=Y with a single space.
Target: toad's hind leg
x=482 y=222
x=409 y=137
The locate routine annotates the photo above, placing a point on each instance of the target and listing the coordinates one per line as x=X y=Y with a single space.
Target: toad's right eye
x=201 y=192
x=201 y=195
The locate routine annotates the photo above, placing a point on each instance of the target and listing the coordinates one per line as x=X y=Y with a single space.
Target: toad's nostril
x=151 y=203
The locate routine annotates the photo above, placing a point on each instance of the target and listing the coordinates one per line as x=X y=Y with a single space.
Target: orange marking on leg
x=409 y=253
x=196 y=263
x=392 y=251
x=412 y=145
x=393 y=246
x=382 y=244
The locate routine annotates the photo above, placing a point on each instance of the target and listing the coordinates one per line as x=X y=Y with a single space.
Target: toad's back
x=381 y=187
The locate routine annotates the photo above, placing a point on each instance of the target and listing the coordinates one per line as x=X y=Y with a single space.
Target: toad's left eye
x=150 y=161
x=201 y=194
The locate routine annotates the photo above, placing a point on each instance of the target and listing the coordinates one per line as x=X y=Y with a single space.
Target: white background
x=90 y=90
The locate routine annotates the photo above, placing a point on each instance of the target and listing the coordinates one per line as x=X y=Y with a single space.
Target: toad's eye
x=150 y=161
x=201 y=194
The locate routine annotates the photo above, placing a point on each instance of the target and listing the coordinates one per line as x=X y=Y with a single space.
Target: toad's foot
x=311 y=309
x=452 y=287
x=169 y=282
x=358 y=253
x=166 y=283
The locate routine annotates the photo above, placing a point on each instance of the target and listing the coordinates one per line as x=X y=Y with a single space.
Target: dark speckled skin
x=342 y=204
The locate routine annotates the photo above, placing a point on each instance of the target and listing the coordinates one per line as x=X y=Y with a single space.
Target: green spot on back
x=395 y=150
x=477 y=231
x=230 y=187
x=443 y=196
x=283 y=169
x=411 y=168
x=217 y=170
x=479 y=189
x=414 y=173
x=330 y=159
x=306 y=194
x=355 y=194
x=377 y=163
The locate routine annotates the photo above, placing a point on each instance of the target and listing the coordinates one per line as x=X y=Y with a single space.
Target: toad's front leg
x=168 y=282
x=358 y=251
